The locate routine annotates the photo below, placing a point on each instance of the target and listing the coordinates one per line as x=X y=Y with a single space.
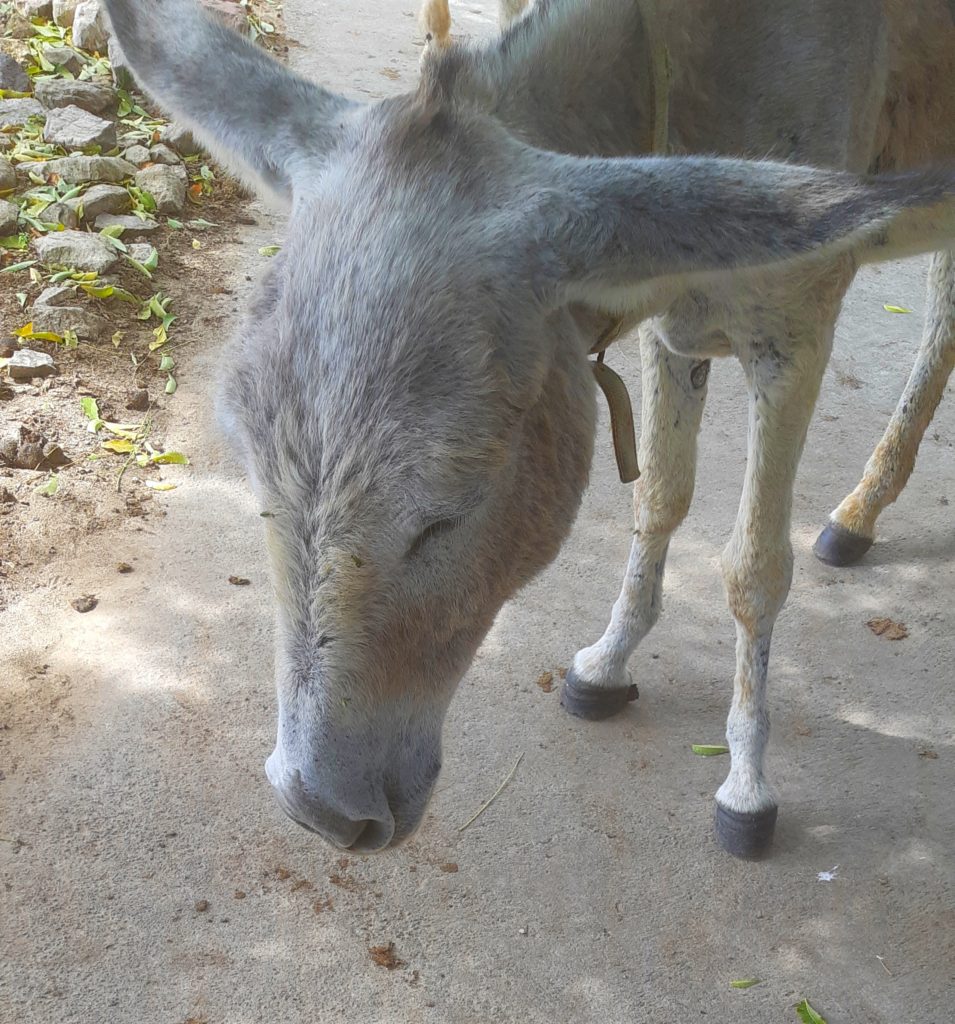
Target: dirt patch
x=384 y=956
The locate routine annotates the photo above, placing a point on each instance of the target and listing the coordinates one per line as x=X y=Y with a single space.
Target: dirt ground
x=148 y=875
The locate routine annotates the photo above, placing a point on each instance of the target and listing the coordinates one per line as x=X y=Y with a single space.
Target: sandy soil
x=148 y=875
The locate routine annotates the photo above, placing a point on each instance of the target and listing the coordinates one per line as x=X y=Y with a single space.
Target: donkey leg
x=674 y=391
x=851 y=528
x=757 y=572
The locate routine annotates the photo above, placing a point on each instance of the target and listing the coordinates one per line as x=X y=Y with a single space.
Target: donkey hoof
x=594 y=702
x=745 y=835
x=838 y=546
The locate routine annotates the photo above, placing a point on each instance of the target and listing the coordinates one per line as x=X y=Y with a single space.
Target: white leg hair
x=890 y=465
x=757 y=562
x=673 y=395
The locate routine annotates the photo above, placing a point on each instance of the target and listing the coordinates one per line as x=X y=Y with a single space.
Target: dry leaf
x=888 y=628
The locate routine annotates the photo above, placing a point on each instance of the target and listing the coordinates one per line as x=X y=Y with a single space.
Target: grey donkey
x=411 y=393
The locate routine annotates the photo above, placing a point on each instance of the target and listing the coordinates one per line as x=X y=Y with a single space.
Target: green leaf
x=50 y=487
x=745 y=982
x=169 y=459
x=895 y=309
x=807 y=1014
x=176 y=225
x=705 y=750
x=117 y=338
x=70 y=339
x=135 y=263
x=22 y=299
x=269 y=250
x=14 y=242
x=152 y=260
x=17 y=266
x=166 y=364
x=171 y=385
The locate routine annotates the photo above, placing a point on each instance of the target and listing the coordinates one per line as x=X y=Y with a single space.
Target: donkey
x=417 y=421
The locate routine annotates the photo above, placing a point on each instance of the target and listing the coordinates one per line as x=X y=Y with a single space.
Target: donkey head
x=410 y=394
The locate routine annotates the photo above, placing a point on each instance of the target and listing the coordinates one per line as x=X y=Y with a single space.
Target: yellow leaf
x=160 y=485
x=121 y=446
x=895 y=309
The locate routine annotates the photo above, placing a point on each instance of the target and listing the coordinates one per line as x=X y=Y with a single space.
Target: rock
x=23 y=448
x=17 y=111
x=77 y=168
x=101 y=199
x=62 y=92
x=55 y=295
x=18 y=27
x=162 y=154
x=60 y=213
x=74 y=128
x=137 y=154
x=77 y=249
x=167 y=185
x=85 y=603
x=63 y=57
x=35 y=8
x=132 y=226
x=8 y=175
x=64 y=11
x=9 y=213
x=85 y=324
x=181 y=139
x=12 y=76
x=141 y=252
x=122 y=72
x=26 y=364
x=138 y=401
x=89 y=27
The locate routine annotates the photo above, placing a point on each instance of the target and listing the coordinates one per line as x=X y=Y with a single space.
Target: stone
x=122 y=72
x=74 y=128
x=18 y=27
x=167 y=185
x=136 y=154
x=63 y=57
x=59 y=319
x=77 y=168
x=35 y=8
x=60 y=213
x=141 y=252
x=9 y=213
x=77 y=249
x=181 y=139
x=101 y=199
x=163 y=154
x=8 y=175
x=55 y=295
x=12 y=76
x=89 y=27
x=62 y=92
x=17 y=111
x=138 y=401
x=26 y=364
x=64 y=11
x=132 y=226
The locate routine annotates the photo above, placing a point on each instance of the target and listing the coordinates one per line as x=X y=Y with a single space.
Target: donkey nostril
x=374 y=836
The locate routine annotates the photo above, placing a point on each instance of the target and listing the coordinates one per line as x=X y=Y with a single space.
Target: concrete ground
x=150 y=878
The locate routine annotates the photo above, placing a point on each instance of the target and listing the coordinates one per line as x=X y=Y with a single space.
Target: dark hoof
x=838 y=546
x=748 y=836
x=594 y=702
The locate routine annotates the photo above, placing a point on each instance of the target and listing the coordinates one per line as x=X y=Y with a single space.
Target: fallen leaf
x=239 y=581
x=269 y=250
x=160 y=485
x=202 y=906
x=745 y=982
x=807 y=1014
x=705 y=750
x=895 y=309
x=50 y=487
x=384 y=956
x=546 y=681
x=124 y=567
x=449 y=869
x=888 y=628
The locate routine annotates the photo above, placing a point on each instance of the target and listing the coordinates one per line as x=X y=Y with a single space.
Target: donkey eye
x=435 y=529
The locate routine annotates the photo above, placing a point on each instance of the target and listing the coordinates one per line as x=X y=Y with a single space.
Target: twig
x=884 y=968
x=500 y=789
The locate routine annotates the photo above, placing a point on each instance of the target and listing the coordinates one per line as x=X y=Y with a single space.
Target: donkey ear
x=259 y=118
x=609 y=227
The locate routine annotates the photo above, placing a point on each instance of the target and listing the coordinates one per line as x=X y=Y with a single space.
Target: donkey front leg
x=757 y=571
x=851 y=528
x=674 y=392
